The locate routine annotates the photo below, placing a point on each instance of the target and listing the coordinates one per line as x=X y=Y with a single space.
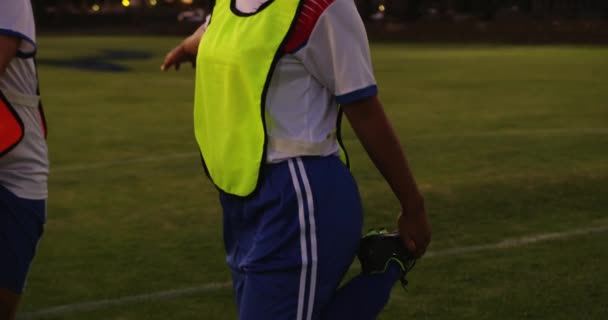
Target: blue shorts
x=21 y=226
x=290 y=244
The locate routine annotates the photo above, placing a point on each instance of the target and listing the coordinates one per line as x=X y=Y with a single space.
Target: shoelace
x=408 y=267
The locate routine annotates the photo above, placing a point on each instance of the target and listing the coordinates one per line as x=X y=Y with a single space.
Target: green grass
x=504 y=141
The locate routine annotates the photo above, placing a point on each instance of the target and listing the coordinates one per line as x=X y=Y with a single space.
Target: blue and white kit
x=290 y=243
x=24 y=168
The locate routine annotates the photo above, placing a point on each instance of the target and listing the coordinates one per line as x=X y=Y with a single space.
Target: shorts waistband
x=301 y=148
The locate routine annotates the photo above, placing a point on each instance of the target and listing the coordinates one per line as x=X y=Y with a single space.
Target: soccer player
x=272 y=81
x=23 y=152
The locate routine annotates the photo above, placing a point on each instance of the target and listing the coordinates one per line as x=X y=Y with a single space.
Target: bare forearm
x=186 y=51
x=377 y=136
x=373 y=129
x=191 y=43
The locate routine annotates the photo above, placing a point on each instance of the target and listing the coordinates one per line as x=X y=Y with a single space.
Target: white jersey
x=24 y=169
x=326 y=62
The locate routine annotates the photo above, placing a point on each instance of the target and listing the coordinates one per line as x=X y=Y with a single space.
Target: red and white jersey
x=326 y=62
x=24 y=169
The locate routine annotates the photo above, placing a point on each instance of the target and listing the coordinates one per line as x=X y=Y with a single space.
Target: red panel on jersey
x=11 y=126
x=309 y=15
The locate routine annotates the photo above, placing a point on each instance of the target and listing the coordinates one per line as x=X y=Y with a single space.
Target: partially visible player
x=23 y=153
x=273 y=78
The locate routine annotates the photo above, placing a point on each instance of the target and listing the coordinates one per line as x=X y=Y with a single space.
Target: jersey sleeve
x=337 y=53
x=16 y=19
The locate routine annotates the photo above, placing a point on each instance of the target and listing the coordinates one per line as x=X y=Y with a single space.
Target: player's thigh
x=272 y=295
x=21 y=226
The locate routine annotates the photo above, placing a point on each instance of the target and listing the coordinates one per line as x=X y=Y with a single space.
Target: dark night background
x=402 y=20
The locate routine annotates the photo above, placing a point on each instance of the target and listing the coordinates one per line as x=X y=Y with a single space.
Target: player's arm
x=376 y=134
x=338 y=55
x=184 y=52
x=8 y=50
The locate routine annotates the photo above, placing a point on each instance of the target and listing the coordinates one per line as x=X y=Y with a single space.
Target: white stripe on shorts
x=303 y=248
x=313 y=238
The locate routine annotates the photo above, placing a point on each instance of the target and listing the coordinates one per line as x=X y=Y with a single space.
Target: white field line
x=214 y=286
x=517 y=242
x=115 y=163
x=129 y=300
x=513 y=132
x=473 y=134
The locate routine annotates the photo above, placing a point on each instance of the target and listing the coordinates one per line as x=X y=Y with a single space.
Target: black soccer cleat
x=378 y=248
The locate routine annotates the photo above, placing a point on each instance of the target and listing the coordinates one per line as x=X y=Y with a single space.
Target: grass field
x=506 y=143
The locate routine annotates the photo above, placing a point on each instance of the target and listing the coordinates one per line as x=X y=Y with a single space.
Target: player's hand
x=177 y=56
x=414 y=228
